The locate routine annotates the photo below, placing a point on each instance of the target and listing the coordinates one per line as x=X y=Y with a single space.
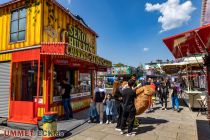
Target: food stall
x=190 y=74
x=191 y=43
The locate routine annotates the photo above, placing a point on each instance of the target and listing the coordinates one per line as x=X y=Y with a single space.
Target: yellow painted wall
x=59 y=20
x=76 y=105
x=33 y=28
x=58 y=109
x=5 y=57
x=51 y=83
x=41 y=112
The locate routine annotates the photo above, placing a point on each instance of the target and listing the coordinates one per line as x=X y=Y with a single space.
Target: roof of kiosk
x=189 y=43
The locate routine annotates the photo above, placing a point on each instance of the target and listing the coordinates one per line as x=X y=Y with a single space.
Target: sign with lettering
x=78 y=53
x=82 y=45
x=79 y=39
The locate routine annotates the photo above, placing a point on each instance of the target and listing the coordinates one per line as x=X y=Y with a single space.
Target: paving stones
x=158 y=125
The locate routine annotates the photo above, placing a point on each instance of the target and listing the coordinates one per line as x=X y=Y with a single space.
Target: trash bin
x=49 y=125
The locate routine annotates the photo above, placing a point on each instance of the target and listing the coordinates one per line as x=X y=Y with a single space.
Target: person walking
x=164 y=95
x=66 y=99
x=129 y=110
x=158 y=89
x=117 y=92
x=99 y=97
x=174 y=97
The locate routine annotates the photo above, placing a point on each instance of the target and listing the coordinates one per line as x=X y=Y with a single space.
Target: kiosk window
x=24 y=83
x=18 y=25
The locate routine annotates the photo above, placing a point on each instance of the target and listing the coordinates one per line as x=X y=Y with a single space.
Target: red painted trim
x=26 y=115
x=53 y=48
x=38 y=88
x=177 y=35
x=26 y=55
x=41 y=106
x=10 y=97
x=47 y=108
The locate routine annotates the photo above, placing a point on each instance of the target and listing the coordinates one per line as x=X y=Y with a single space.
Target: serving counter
x=190 y=97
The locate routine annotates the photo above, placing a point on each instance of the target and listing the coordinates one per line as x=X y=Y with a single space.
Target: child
x=92 y=110
x=108 y=108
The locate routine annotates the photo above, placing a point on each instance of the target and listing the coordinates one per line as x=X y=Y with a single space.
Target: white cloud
x=173 y=13
x=68 y=1
x=146 y=49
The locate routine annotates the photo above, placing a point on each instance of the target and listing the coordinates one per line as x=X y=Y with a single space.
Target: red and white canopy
x=189 y=43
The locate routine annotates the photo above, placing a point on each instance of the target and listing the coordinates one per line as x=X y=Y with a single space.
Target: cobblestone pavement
x=157 y=125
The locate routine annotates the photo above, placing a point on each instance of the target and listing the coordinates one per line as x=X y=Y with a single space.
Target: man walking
x=129 y=110
x=164 y=95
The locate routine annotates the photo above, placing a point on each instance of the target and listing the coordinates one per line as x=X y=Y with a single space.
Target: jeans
x=175 y=101
x=119 y=111
x=100 y=110
x=109 y=118
x=67 y=108
x=164 y=100
x=128 y=115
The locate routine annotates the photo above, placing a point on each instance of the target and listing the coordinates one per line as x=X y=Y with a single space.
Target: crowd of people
x=119 y=106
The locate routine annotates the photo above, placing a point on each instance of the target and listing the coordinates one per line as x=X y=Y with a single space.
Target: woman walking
x=117 y=92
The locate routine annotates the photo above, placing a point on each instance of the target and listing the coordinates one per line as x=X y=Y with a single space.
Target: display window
x=24 y=82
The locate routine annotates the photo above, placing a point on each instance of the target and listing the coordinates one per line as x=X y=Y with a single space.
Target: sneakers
x=107 y=122
x=165 y=109
x=122 y=132
x=117 y=129
x=130 y=134
x=101 y=122
x=89 y=121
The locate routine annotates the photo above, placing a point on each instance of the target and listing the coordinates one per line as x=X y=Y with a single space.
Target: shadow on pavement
x=156 y=108
x=149 y=120
x=203 y=129
x=143 y=129
x=180 y=109
x=64 y=133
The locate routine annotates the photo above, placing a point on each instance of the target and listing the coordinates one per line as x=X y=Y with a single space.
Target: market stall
x=191 y=43
x=190 y=75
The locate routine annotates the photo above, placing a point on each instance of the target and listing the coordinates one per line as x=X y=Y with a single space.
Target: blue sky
x=129 y=30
